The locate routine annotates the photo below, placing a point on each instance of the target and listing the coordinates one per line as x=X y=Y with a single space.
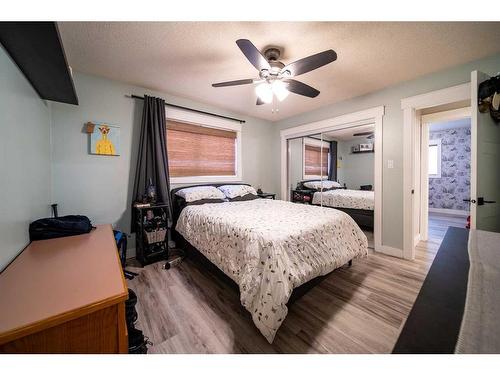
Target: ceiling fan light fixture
x=277 y=75
x=265 y=92
x=279 y=89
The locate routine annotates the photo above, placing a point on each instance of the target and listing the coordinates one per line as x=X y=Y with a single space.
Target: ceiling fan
x=368 y=135
x=275 y=78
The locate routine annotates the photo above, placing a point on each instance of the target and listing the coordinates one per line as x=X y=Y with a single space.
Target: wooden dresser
x=65 y=295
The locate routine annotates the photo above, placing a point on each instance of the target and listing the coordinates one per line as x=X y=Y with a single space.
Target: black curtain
x=152 y=159
x=332 y=173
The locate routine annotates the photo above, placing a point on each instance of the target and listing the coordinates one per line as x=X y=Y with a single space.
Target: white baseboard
x=416 y=240
x=449 y=211
x=392 y=251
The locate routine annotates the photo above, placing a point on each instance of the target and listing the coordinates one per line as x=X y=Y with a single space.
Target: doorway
x=485 y=157
x=449 y=99
x=445 y=172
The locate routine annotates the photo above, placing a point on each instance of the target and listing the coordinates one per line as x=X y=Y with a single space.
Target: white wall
x=24 y=159
x=100 y=186
x=392 y=179
x=355 y=170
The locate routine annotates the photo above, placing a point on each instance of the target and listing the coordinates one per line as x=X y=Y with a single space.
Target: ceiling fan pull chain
x=275 y=108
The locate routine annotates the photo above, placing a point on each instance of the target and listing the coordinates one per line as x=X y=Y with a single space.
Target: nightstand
x=267 y=195
x=301 y=196
x=151 y=233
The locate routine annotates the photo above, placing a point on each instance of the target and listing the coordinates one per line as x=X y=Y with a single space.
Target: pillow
x=317 y=185
x=247 y=197
x=197 y=193
x=233 y=191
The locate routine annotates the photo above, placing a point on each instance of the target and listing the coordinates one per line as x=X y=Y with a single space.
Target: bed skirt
x=194 y=254
x=364 y=218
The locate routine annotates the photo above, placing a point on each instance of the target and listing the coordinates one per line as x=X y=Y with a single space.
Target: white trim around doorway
x=369 y=116
x=411 y=155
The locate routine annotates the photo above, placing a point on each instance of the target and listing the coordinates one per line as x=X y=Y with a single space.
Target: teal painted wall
x=24 y=159
x=101 y=186
x=393 y=133
x=355 y=169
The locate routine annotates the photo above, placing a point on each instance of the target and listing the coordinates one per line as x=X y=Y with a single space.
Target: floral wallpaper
x=453 y=187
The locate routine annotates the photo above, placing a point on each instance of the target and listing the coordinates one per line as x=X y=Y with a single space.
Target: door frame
x=426 y=120
x=372 y=115
x=411 y=107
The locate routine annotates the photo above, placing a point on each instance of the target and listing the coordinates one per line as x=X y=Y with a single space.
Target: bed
x=359 y=204
x=269 y=248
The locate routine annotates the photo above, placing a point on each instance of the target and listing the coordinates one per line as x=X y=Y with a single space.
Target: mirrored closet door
x=335 y=169
x=309 y=165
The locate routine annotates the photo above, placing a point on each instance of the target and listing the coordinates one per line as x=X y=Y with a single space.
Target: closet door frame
x=368 y=116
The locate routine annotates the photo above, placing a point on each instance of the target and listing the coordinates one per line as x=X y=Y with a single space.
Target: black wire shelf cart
x=152 y=233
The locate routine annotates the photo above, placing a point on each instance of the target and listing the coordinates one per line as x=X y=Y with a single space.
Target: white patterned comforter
x=269 y=247
x=345 y=198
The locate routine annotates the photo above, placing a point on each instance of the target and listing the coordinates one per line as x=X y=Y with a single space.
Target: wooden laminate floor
x=360 y=309
x=439 y=223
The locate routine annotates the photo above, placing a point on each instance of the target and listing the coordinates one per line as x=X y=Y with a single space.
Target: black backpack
x=63 y=226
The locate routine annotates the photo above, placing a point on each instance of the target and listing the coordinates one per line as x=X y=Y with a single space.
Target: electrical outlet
x=390 y=164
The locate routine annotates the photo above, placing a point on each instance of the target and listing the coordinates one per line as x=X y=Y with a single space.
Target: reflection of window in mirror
x=316 y=158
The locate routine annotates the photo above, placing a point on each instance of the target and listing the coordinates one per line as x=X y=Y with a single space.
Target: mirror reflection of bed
x=336 y=170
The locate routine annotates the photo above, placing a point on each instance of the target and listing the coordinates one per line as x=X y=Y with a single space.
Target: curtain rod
x=194 y=110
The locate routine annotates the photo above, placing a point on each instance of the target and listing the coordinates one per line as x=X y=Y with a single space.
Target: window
x=316 y=158
x=201 y=152
x=434 y=158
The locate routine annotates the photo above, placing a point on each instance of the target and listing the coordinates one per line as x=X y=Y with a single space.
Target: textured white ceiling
x=185 y=58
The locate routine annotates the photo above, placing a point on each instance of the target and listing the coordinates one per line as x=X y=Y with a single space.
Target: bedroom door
x=485 y=164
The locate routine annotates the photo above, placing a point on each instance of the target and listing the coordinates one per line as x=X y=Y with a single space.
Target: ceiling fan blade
x=310 y=63
x=233 y=83
x=300 y=88
x=253 y=54
x=362 y=134
x=259 y=101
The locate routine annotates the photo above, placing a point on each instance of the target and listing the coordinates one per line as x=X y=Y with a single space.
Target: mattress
x=269 y=247
x=345 y=198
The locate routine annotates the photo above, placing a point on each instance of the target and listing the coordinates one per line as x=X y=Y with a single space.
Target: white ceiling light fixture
x=279 y=89
x=265 y=92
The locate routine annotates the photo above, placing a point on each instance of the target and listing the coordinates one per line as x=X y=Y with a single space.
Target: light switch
x=390 y=163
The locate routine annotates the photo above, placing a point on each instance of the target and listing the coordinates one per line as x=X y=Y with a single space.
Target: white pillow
x=325 y=184
x=233 y=191
x=196 y=193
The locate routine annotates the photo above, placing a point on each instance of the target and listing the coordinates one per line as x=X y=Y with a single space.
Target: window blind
x=316 y=160
x=195 y=150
